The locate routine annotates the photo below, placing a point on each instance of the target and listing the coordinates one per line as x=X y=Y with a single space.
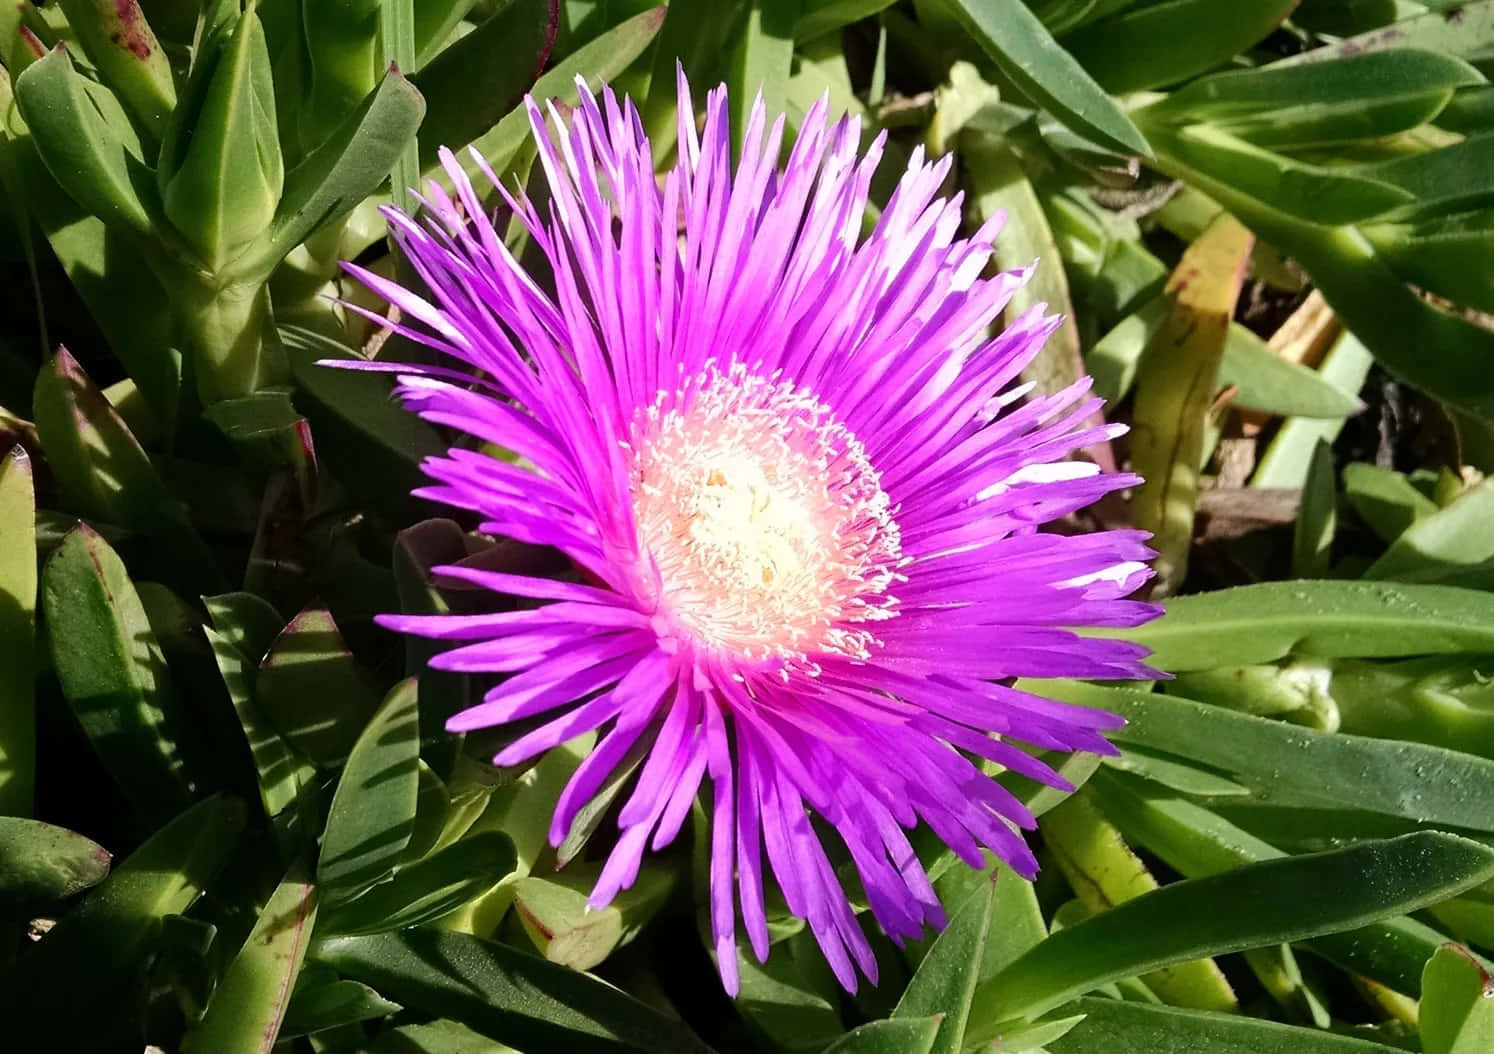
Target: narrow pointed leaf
x=506 y=994
x=17 y=633
x=946 y=979
x=1113 y=1026
x=909 y=1035
x=247 y=1007
x=1011 y=34
x=119 y=41
x=373 y=808
x=1265 y=904
x=429 y=889
x=112 y=671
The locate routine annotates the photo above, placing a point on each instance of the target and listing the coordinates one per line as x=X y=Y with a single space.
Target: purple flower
x=803 y=494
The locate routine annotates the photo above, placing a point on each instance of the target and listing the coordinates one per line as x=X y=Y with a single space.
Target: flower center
x=768 y=526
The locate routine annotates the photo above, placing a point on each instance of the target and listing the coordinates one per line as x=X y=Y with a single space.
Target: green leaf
x=1327 y=619
x=761 y=60
x=1317 y=519
x=1385 y=499
x=1047 y=74
x=78 y=132
x=248 y=622
x=1175 y=388
x=103 y=471
x=1373 y=300
x=945 y=981
x=826 y=16
x=602 y=59
x=17 y=633
x=105 y=265
x=112 y=672
x=692 y=36
x=1266 y=382
x=1286 y=461
x=370 y=442
x=1103 y=872
x=425 y=891
x=554 y=913
x=41 y=864
x=373 y=808
x=1254 y=906
x=1111 y=1026
x=470 y=85
x=997 y=181
x=1196 y=842
x=95 y=953
x=284 y=776
x=1443 y=545
x=506 y=994
x=331 y=1004
x=396 y=50
x=1299 y=766
x=341 y=172
x=1458 y=175
x=1311 y=193
x=1438 y=251
x=437 y=1037
x=1322 y=103
x=1164 y=43
x=435 y=22
x=787 y=999
x=1457 y=1004
x=909 y=1035
x=119 y=41
x=244 y=1014
x=313 y=690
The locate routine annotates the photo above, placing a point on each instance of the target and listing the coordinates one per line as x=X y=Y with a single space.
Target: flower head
x=803 y=495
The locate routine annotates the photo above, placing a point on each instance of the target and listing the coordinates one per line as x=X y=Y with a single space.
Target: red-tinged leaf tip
x=33 y=43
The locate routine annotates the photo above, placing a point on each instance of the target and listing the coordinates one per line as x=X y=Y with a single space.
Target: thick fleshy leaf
x=908 y=1035
x=313 y=690
x=600 y=60
x=1175 y=388
x=373 y=808
x=103 y=470
x=1104 y=872
x=762 y=57
x=17 y=633
x=1289 y=764
x=946 y=978
x=506 y=994
x=331 y=1003
x=41 y=864
x=1325 y=619
x=244 y=1014
x=1196 y=842
x=1154 y=45
x=429 y=889
x=482 y=76
x=1254 y=906
x=554 y=913
x=1012 y=35
x=1457 y=1004
x=1113 y=1026
x=284 y=775
x=93 y=956
x=1268 y=383
x=119 y=41
x=342 y=171
x=78 y=129
x=1286 y=461
x=1317 y=518
x=112 y=672
x=372 y=445
x=1323 y=103
x=1443 y=546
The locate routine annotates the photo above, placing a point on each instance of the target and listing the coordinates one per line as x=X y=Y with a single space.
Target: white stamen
x=767 y=525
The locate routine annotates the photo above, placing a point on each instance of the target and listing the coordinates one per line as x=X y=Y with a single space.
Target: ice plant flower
x=803 y=493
